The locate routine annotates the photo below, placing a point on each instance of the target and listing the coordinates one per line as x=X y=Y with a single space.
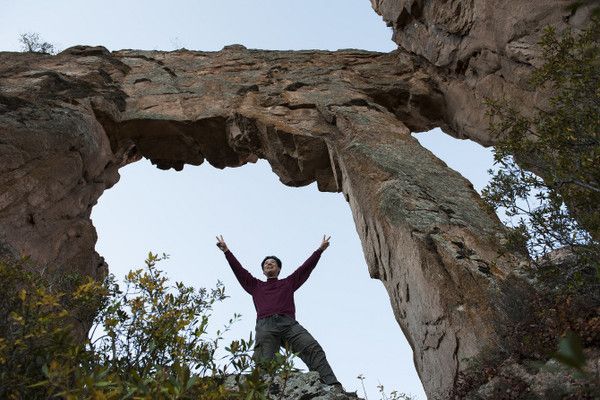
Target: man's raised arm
x=300 y=275
x=244 y=277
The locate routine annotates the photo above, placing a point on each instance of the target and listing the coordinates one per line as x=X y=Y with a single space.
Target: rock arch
x=342 y=119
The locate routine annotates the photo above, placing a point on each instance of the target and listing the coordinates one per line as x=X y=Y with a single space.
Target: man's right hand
x=221 y=244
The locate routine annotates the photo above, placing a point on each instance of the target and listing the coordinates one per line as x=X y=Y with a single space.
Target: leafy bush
x=148 y=341
x=37 y=331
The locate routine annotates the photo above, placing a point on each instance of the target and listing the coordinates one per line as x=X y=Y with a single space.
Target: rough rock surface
x=343 y=119
x=475 y=49
x=550 y=380
x=300 y=386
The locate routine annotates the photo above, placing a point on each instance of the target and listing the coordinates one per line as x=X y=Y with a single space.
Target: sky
x=180 y=213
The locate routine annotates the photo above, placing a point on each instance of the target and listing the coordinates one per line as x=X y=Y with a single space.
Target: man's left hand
x=325 y=243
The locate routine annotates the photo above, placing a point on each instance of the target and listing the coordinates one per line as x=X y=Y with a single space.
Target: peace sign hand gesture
x=325 y=243
x=221 y=244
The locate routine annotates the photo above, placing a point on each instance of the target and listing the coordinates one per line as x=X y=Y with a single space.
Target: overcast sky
x=180 y=213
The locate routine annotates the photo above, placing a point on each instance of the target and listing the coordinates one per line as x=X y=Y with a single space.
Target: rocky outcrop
x=476 y=49
x=343 y=119
x=544 y=380
x=55 y=162
x=298 y=386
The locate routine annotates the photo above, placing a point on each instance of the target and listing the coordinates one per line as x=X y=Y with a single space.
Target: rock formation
x=299 y=386
x=478 y=48
x=343 y=119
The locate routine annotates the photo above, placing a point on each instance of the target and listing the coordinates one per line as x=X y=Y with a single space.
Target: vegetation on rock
x=31 y=42
x=548 y=178
x=554 y=189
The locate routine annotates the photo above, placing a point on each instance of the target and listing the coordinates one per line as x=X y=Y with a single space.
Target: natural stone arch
x=67 y=123
x=342 y=119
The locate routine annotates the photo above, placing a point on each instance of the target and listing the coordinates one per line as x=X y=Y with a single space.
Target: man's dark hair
x=277 y=260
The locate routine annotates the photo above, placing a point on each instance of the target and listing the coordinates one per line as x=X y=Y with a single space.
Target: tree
x=549 y=163
x=32 y=43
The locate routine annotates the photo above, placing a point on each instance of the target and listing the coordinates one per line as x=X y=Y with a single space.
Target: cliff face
x=343 y=119
x=479 y=48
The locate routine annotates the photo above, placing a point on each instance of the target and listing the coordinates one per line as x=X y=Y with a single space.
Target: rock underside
x=343 y=119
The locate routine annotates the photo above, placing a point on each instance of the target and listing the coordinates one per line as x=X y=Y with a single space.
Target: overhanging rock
x=342 y=119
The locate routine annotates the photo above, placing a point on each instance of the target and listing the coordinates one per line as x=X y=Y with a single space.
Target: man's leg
x=267 y=340
x=310 y=351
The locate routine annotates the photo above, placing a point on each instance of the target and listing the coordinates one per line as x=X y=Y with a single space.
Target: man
x=276 y=323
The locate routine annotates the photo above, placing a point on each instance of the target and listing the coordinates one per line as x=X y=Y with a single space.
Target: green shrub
x=148 y=341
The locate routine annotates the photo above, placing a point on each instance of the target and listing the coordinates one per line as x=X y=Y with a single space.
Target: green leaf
x=39 y=384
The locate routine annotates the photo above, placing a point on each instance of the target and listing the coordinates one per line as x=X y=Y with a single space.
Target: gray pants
x=277 y=330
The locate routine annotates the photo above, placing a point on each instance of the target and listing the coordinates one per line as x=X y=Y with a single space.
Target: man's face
x=270 y=268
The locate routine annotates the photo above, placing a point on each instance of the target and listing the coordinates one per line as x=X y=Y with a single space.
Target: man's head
x=271 y=266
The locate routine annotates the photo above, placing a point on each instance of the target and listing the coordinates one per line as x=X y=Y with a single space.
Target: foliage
x=557 y=326
x=36 y=333
x=393 y=395
x=556 y=193
x=502 y=375
x=148 y=341
x=32 y=43
x=548 y=179
x=149 y=326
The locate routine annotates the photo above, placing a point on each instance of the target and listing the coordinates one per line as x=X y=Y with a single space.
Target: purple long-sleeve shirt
x=275 y=296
